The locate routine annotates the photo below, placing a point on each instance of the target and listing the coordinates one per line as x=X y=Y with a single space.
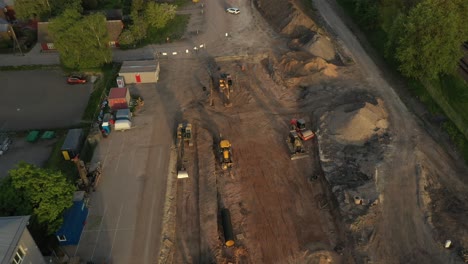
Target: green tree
x=81 y=42
x=12 y=201
x=27 y=9
x=59 y=6
x=158 y=15
x=138 y=6
x=430 y=42
x=126 y=38
x=368 y=13
x=48 y=192
x=97 y=40
x=139 y=27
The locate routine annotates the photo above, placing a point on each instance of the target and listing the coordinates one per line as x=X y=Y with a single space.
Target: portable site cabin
x=122 y=125
x=119 y=98
x=74 y=220
x=145 y=71
x=123 y=114
x=72 y=144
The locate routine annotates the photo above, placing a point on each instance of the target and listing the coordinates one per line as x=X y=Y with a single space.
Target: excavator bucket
x=182 y=174
x=297 y=156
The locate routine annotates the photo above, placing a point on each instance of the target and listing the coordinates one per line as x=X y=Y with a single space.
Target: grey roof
x=11 y=229
x=139 y=66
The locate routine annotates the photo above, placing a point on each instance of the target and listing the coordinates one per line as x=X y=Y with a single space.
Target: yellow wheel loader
x=225 y=154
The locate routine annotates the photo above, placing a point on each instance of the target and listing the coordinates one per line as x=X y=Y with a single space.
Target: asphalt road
x=124 y=223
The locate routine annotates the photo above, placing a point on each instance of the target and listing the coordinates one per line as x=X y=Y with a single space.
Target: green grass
x=175 y=29
x=102 y=86
x=29 y=67
x=57 y=162
x=180 y=3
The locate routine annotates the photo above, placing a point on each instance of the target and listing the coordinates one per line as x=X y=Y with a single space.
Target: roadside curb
x=169 y=213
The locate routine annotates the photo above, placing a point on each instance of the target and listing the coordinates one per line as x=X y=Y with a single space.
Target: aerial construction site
x=293 y=146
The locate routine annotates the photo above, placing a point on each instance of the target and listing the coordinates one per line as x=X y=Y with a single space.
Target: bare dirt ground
x=376 y=188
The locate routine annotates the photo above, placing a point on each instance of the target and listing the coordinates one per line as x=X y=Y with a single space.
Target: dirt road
x=402 y=234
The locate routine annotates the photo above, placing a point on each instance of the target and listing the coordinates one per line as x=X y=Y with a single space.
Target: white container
x=448 y=243
x=122 y=125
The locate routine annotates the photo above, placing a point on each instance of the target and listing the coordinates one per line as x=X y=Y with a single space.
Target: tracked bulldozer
x=184 y=133
x=296 y=147
x=225 y=154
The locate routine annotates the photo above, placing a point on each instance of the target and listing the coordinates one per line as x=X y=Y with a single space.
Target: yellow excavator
x=225 y=154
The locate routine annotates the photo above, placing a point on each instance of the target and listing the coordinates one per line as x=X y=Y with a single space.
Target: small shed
x=119 y=98
x=72 y=144
x=74 y=220
x=145 y=71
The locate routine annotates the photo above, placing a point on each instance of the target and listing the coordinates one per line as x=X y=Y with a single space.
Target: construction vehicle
x=296 y=147
x=299 y=125
x=225 y=154
x=225 y=87
x=184 y=133
x=89 y=178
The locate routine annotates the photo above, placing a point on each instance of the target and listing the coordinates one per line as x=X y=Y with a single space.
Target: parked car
x=75 y=79
x=233 y=10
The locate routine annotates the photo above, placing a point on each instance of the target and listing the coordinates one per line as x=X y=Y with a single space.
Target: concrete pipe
x=357 y=200
x=227 y=228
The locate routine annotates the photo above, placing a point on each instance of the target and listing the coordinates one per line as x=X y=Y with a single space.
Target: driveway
x=124 y=222
x=40 y=99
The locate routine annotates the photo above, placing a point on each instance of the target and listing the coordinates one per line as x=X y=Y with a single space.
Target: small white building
x=16 y=243
x=145 y=71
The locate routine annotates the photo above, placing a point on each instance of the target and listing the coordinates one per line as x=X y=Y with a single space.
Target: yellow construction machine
x=184 y=133
x=225 y=154
x=225 y=87
x=296 y=147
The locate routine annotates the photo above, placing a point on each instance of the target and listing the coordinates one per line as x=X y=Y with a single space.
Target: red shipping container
x=119 y=98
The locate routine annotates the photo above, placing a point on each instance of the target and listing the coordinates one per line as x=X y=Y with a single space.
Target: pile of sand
x=359 y=125
x=301 y=64
x=321 y=46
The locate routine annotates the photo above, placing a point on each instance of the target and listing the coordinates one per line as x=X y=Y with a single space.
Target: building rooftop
x=11 y=229
x=139 y=66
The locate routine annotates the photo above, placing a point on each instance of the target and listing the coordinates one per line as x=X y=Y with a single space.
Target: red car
x=76 y=80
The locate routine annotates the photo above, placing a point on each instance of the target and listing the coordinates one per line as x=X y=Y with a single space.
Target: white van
x=122 y=125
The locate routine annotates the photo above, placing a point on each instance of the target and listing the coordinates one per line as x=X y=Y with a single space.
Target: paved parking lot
x=40 y=99
x=124 y=222
x=20 y=150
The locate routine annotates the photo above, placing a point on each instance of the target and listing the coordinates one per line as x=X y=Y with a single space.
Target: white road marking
x=115 y=232
x=153 y=201
x=99 y=233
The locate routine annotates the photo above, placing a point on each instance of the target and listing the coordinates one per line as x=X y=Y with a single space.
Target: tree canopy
x=26 y=9
x=48 y=193
x=145 y=16
x=431 y=38
x=43 y=9
x=158 y=15
x=82 y=42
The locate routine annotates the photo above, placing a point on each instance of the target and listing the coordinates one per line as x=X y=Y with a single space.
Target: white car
x=233 y=10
